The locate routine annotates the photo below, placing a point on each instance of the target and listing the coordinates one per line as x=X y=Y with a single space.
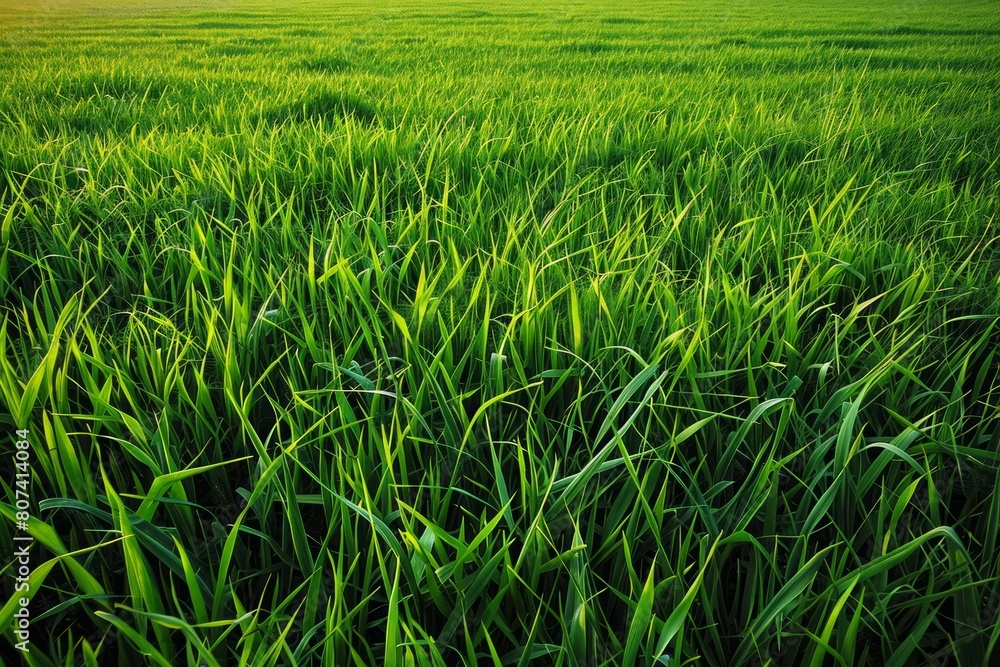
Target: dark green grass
x=497 y=334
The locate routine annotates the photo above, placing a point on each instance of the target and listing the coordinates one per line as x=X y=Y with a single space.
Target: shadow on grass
x=305 y=32
x=590 y=48
x=887 y=32
x=328 y=65
x=619 y=20
x=323 y=106
x=220 y=25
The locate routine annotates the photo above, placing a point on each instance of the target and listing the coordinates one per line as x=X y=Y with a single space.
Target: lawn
x=579 y=334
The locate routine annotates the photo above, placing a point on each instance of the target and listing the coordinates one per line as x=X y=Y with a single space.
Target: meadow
x=576 y=334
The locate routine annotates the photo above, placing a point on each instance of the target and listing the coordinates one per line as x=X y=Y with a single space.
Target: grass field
x=501 y=334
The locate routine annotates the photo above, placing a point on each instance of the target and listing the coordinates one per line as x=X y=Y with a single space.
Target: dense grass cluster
x=442 y=334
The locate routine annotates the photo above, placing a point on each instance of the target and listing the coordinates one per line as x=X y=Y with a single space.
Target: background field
x=488 y=333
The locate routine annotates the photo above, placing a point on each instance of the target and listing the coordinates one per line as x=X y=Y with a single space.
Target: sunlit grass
x=502 y=335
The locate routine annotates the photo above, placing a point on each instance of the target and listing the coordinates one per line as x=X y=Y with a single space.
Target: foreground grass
x=497 y=335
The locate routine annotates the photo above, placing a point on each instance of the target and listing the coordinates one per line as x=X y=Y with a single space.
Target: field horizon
x=500 y=334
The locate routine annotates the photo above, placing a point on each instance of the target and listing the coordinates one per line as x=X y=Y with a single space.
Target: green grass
x=499 y=334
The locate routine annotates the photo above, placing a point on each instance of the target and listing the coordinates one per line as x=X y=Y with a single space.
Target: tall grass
x=437 y=335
